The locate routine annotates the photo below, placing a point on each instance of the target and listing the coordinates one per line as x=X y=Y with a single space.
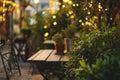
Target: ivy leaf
x=83 y=63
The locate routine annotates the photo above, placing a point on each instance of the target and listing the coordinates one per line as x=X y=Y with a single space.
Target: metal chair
x=20 y=48
x=9 y=61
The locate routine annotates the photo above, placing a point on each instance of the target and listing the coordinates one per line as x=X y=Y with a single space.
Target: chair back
x=9 y=61
x=20 y=48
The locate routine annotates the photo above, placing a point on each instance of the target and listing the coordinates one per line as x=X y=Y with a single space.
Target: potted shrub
x=59 y=46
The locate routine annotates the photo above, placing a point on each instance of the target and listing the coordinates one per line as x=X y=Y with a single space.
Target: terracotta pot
x=60 y=48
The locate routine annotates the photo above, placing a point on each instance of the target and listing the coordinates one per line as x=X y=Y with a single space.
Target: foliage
x=38 y=29
x=58 y=38
x=95 y=56
x=16 y=21
x=102 y=10
x=61 y=21
x=70 y=31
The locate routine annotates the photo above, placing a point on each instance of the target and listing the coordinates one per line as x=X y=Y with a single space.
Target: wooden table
x=47 y=56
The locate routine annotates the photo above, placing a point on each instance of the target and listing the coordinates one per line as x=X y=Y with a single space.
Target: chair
x=20 y=48
x=49 y=44
x=9 y=61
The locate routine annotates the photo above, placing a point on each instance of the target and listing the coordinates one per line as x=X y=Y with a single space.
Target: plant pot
x=60 y=48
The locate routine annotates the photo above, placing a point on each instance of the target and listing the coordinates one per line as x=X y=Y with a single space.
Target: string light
x=72 y=16
x=3 y=17
x=91 y=2
x=43 y=12
x=89 y=12
x=70 y=12
x=82 y=24
x=80 y=21
x=45 y=27
x=106 y=9
x=74 y=5
x=63 y=6
x=77 y=4
x=70 y=2
x=54 y=16
x=65 y=0
x=46 y=34
x=86 y=18
x=99 y=6
x=54 y=23
x=110 y=18
x=90 y=5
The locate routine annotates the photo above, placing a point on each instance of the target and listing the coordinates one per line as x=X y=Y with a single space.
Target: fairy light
x=82 y=24
x=46 y=34
x=99 y=6
x=3 y=17
x=54 y=23
x=73 y=5
x=72 y=16
x=90 y=5
x=110 y=18
x=52 y=8
x=77 y=4
x=63 y=6
x=86 y=18
x=43 y=12
x=54 y=16
x=58 y=3
x=89 y=12
x=106 y=9
x=65 y=0
x=70 y=2
x=45 y=27
x=70 y=12
x=91 y=2
x=80 y=21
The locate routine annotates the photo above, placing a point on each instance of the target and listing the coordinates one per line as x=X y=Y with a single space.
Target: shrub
x=95 y=56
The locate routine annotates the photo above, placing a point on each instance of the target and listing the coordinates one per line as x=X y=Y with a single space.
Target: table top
x=48 y=55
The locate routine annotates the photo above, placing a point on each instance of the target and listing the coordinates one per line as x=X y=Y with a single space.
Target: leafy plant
x=70 y=31
x=58 y=38
x=95 y=56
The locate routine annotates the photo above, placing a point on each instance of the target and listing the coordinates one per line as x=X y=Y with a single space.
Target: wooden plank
x=64 y=58
x=36 y=54
x=43 y=55
x=54 y=57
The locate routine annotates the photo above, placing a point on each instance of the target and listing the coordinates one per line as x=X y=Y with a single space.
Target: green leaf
x=83 y=63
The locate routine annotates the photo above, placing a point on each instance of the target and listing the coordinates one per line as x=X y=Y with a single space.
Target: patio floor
x=26 y=74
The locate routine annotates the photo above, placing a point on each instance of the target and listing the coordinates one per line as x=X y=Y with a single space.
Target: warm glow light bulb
x=74 y=5
x=46 y=34
x=88 y=12
x=63 y=6
x=43 y=12
x=53 y=16
x=45 y=27
x=70 y=12
x=82 y=24
x=54 y=23
x=80 y=20
x=65 y=0
x=70 y=2
x=86 y=18
x=36 y=1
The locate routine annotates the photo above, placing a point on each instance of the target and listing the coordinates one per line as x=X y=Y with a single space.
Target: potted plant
x=59 y=46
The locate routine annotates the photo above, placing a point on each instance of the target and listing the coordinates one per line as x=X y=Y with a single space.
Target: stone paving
x=26 y=74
